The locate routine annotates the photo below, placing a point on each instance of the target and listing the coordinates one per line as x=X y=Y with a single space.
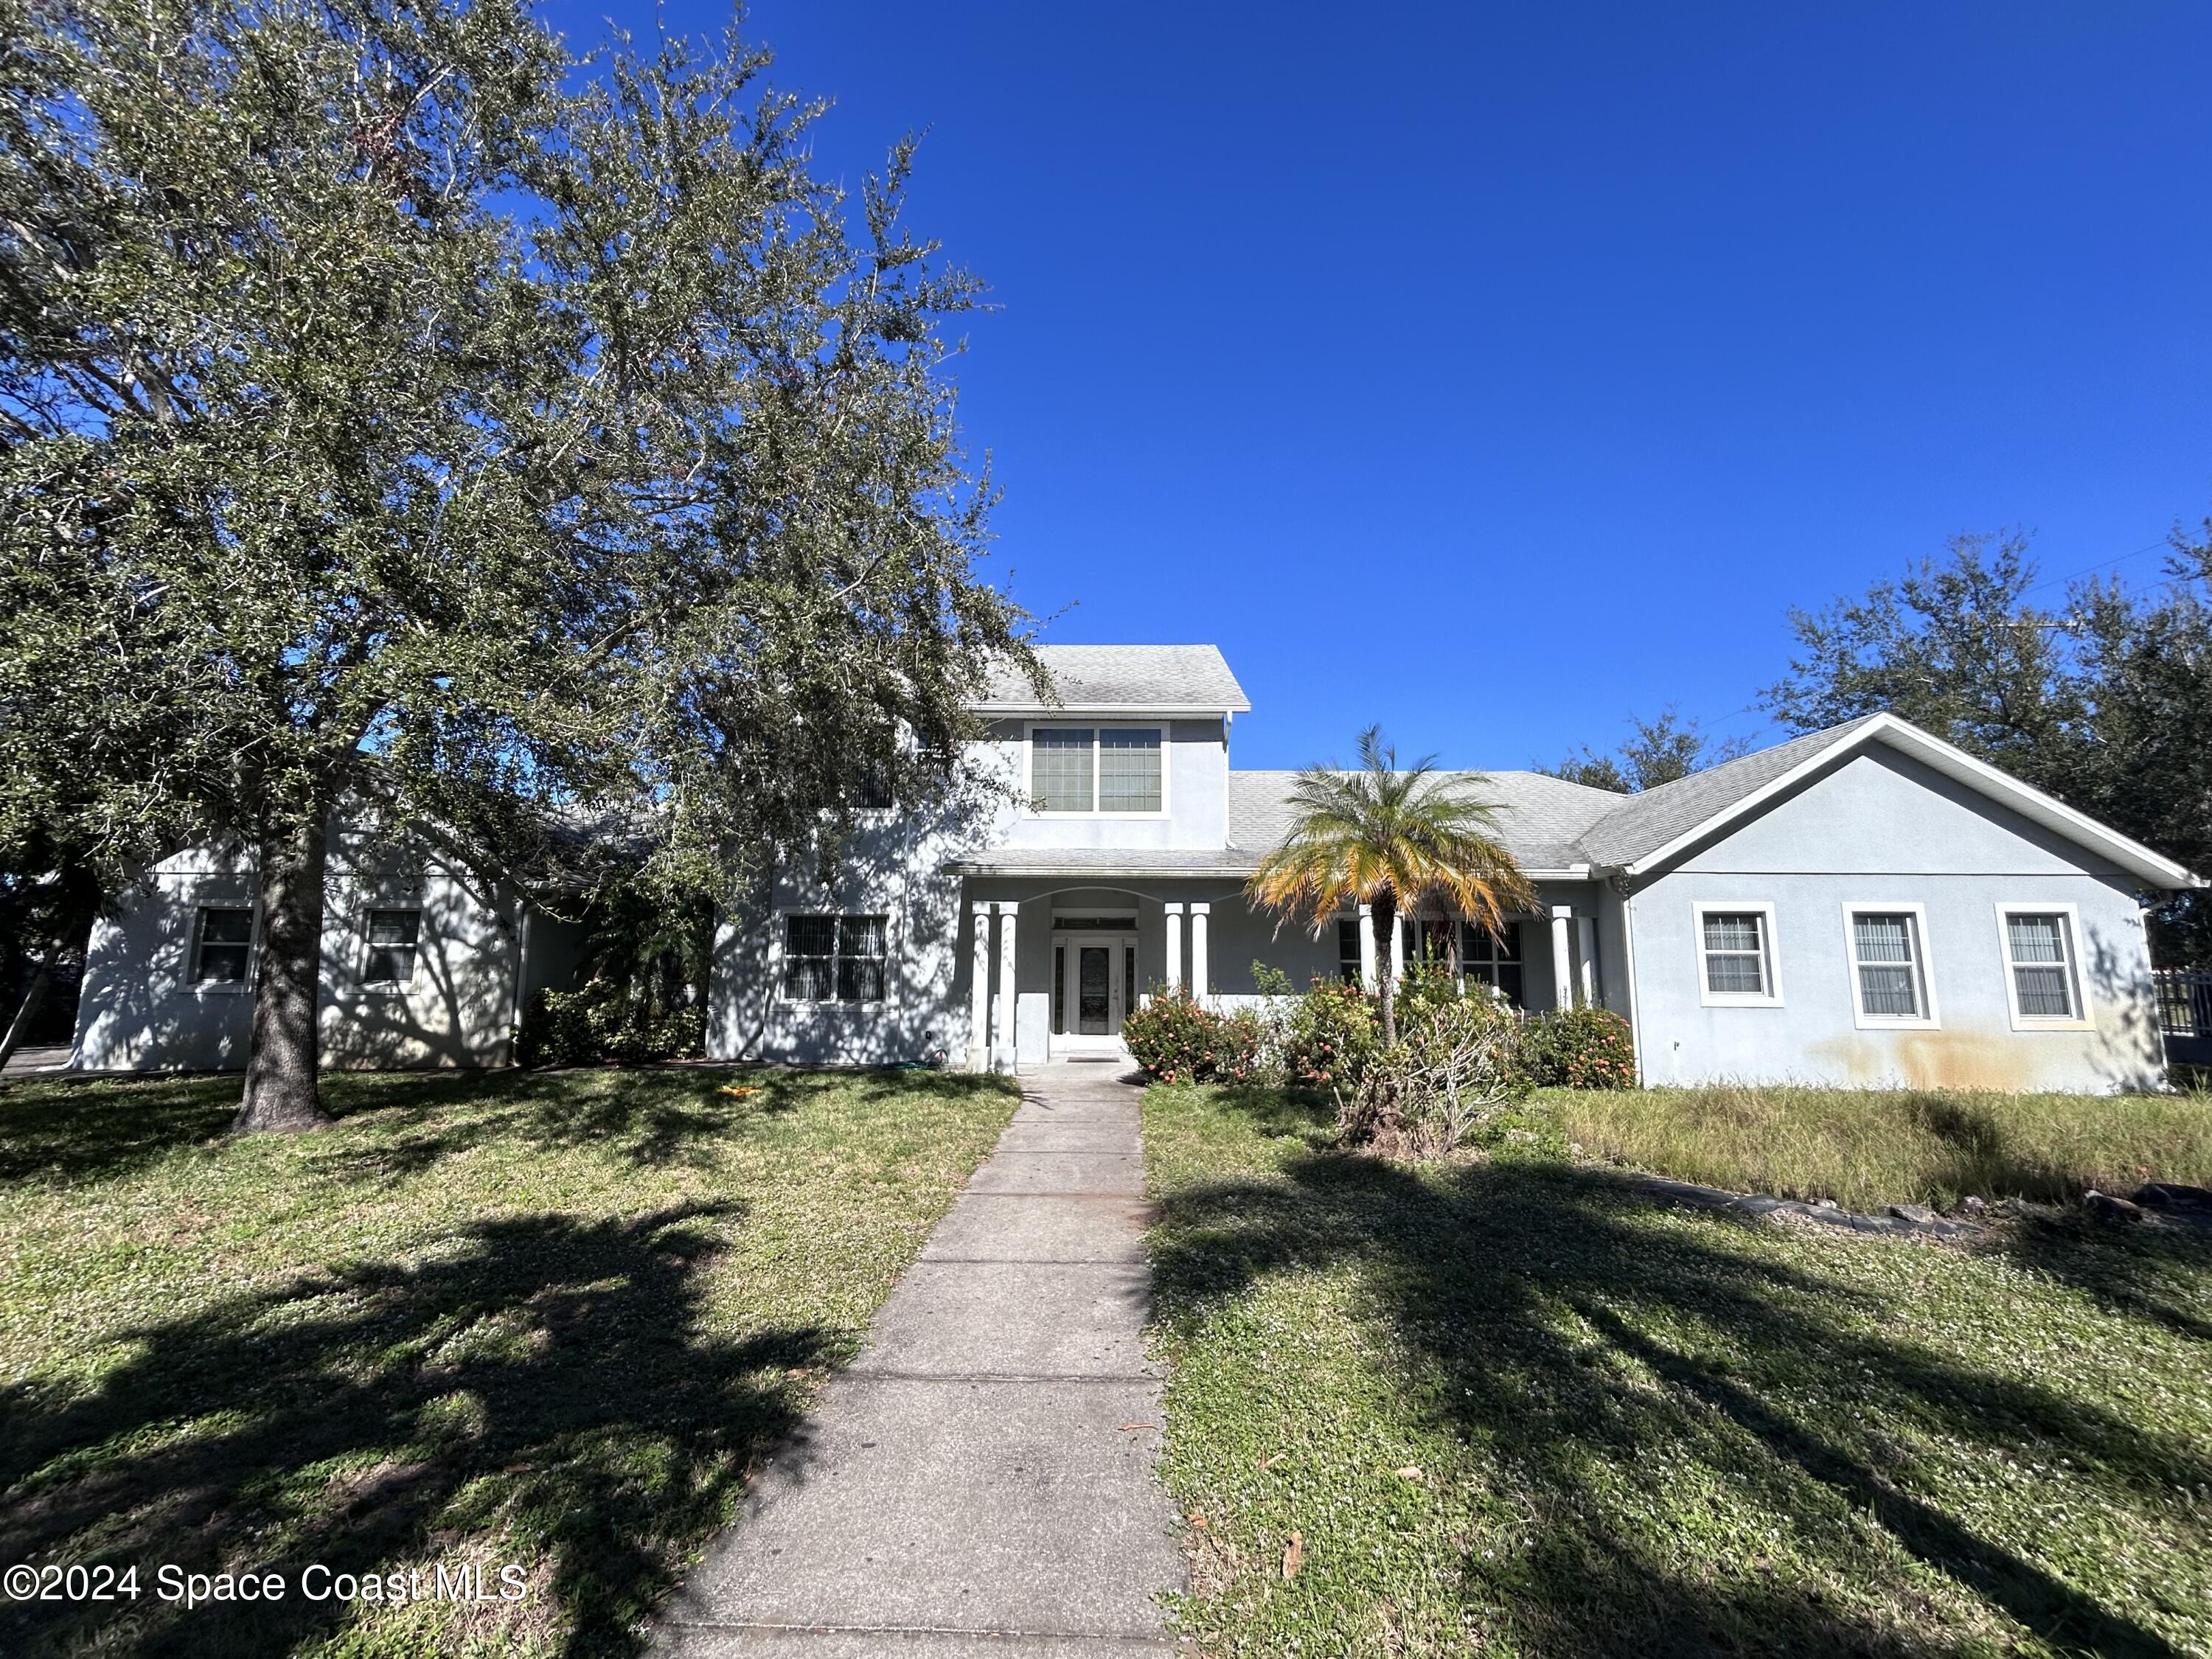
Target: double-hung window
x=2042 y=965
x=1889 y=946
x=393 y=936
x=1348 y=954
x=1097 y=769
x=222 y=945
x=835 y=958
x=1735 y=955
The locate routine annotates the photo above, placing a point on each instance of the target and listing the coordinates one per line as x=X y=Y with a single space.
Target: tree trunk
x=1385 y=914
x=34 y=998
x=281 y=1082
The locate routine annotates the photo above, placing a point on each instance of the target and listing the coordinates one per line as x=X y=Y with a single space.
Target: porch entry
x=1094 y=977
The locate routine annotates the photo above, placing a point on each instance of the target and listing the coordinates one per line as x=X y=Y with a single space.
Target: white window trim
x=193 y=987
x=389 y=987
x=2008 y=908
x=1931 y=1020
x=1708 y=998
x=1029 y=755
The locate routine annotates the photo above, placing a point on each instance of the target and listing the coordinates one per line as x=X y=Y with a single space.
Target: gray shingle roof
x=1642 y=825
x=1122 y=677
x=1541 y=818
x=1094 y=861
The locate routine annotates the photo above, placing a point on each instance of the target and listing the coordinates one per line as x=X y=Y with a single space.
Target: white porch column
x=979 y=992
x=1003 y=1038
x=1563 y=985
x=1367 y=970
x=1200 y=986
x=1586 y=957
x=1175 y=946
x=1398 y=948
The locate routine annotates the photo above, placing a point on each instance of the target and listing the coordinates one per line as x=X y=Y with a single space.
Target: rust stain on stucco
x=1932 y=1060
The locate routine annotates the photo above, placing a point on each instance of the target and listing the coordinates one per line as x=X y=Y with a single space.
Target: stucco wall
x=1882 y=830
x=139 y=1012
x=1195 y=766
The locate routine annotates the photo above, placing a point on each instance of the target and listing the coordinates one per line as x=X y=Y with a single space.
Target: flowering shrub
x=1329 y=1036
x=1177 y=1039
x=1579 y=1049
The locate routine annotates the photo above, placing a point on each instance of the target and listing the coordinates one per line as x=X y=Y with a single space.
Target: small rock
x=1972 y=1204
x=2105 y=1208
x=1824 y=1203
x=1918 y=1214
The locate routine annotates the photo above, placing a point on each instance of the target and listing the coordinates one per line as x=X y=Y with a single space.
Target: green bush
x=1578 y=1047
x=1177 y=1039
x=601 y=1023
x=1329 y=1036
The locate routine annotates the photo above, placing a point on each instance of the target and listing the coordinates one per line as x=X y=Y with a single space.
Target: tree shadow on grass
x=653 y=1116
x=1553 y=1328
x=543 y=1391
x=2152 y=1272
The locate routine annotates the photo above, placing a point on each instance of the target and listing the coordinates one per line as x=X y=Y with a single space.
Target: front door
x=1094 y=975
x=1094 y=992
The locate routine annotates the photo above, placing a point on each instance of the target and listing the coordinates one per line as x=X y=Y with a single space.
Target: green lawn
x=539 y=1319
x=1866 y=1148
x=1506 y=1408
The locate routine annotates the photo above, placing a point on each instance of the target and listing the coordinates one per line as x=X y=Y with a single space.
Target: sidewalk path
x=980 y=1482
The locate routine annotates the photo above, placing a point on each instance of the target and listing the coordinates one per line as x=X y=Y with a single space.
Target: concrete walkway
x=980 y=1481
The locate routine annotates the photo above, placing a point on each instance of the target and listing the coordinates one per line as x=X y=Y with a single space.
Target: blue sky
x=1491 y=372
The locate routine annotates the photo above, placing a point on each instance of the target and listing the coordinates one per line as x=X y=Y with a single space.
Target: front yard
x=1501 y=1407
x=540 y=1320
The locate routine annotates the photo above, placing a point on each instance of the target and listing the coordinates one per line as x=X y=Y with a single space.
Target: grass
x=539 y=1319
x=1505 y=1408
x=1868 y=1148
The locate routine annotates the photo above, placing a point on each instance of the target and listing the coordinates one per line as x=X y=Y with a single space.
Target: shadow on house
x=546 y=1383
x=1574 y=1350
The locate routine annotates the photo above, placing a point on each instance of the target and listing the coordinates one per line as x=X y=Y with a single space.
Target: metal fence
x=2185 y=1002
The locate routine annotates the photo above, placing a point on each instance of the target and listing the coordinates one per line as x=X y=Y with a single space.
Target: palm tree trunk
x=281 y=1090
x=1385 y=917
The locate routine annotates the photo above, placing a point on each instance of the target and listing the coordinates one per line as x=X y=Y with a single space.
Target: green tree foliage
x=2103 y=698
x=1656 y=752
x=400 y=413
x=1389 y=838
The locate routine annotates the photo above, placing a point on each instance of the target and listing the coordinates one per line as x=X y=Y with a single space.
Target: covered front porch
x=1053 y=967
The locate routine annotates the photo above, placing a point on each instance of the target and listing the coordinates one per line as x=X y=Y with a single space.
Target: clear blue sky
x=1494 y=371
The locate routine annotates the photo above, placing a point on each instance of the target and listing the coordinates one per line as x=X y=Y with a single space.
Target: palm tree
x=1387 y=838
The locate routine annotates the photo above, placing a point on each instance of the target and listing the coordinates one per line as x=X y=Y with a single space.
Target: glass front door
x=1093 y=982
x=1093 y=997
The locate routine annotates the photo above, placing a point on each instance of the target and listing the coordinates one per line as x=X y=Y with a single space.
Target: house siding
x=1881 y=829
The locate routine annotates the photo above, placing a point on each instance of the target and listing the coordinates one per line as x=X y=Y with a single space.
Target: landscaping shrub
x=1329 y=1036
x=1578 y=1048
x=602 y=1023
x=1455 y=1066
x=1177 y=1039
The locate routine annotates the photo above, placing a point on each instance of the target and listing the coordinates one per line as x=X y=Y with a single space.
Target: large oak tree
x=401 y=414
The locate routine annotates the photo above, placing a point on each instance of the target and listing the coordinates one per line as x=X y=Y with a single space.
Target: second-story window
x=1106 y=768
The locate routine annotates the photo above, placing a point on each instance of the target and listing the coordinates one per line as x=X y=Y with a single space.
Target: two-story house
x=1863 y=905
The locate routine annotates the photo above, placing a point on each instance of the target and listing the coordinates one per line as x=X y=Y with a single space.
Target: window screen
x=1129 y=770
x=1059 y=770
x=392 y=937
x=2042 y=972
x=1348 y=952
x=1886 y=957
x=1734 y=944
x=224 y=947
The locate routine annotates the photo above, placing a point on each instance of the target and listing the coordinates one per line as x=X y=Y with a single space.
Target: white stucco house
x=1865 y=905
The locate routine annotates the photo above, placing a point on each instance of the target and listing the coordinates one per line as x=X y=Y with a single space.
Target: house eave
x=1188 y=711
